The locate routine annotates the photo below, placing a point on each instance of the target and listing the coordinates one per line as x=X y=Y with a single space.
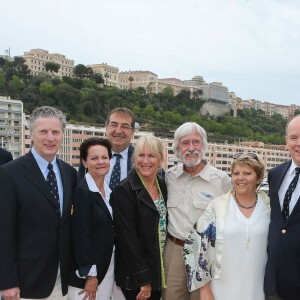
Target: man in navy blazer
x=282 y=277
x=5 y=156
x=34 y=225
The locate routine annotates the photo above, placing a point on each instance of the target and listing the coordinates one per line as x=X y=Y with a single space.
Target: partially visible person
x=282 y=277
x=140 y=216
x=5 y=156
x=119 y=127
x=35 y=214
x=92 y=226
x=226 y=253
x=191 y=186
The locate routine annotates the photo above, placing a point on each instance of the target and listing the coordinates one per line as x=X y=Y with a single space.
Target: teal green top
x=161 y=207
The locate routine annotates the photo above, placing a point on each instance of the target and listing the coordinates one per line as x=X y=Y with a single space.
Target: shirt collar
x=124 y=153
x=292 y=168
x=205 y=173
x=93 y=186
x=42 y=162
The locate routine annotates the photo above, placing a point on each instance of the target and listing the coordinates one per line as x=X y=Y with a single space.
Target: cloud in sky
x=251 y=46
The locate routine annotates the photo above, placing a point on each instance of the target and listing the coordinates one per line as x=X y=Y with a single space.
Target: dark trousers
x=273 y=297
x=131 y=294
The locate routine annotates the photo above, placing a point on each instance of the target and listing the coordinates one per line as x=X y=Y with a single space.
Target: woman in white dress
x=226 y=253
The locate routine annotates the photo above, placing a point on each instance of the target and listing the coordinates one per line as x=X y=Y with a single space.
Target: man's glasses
x=117 y=125
x=250 y=154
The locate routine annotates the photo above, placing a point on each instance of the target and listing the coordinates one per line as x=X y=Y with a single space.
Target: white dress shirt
x=290 y=174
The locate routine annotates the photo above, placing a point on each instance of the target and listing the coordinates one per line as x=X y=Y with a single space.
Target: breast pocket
x=200 y=202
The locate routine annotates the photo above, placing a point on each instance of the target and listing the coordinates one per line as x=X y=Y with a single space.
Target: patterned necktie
x=51 y=180
x=116 y=172
x=288 y=195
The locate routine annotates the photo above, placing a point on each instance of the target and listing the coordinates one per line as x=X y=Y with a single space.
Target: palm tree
x=130 y=82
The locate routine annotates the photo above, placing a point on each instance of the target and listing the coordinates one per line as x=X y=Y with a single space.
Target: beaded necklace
x=241 y=205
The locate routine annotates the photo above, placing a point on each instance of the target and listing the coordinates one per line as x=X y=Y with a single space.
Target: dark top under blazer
x=5 y=156
x=81 y=169
x=136 y=223
x=92 y=233
x=35 y=238
x=283 y=266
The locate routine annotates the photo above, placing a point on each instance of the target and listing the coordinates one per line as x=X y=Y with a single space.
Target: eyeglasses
x=250 y=154
x=123 y=126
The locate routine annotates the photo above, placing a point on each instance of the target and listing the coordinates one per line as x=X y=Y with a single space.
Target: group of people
x=189 y=232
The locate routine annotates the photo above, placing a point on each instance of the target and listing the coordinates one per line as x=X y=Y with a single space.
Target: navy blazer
x=92 y=234
x=283 y=267
x=5 y=156
x=35 y=238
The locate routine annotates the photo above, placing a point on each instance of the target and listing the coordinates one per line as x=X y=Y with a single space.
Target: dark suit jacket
x=81 y=170
x=35 y=238
x=136 y=223
x=5 y=156
x=283 y=267
x=92 y=233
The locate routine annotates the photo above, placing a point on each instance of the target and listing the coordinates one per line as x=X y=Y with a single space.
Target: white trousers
x=105 y=288
x=117 y=294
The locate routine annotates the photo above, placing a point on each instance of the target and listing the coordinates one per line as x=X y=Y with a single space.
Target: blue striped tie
x=288 y=195
x=51 y=180
x=116 y=172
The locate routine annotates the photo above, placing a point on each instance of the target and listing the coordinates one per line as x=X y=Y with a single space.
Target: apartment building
x=220 y=155
x=35 y=59
x=287 y=111
x=111 y=75
x=213 y=92
x=11 y=125
x=143 y=79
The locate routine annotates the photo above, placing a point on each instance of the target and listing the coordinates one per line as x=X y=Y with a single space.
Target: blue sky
x=252 y=46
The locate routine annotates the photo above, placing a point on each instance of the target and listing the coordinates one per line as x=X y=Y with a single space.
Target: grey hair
x=47 y=112
x=186 y=129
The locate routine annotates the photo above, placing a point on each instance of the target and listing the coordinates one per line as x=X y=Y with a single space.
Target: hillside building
x=35 y=59
x=11 y=126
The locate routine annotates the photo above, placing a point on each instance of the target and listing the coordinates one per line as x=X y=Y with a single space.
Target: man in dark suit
x=282 y=277
x=5 y=156
x=119 y=127
x=35 y=212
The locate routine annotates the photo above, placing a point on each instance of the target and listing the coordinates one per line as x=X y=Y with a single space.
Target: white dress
x=244 y=255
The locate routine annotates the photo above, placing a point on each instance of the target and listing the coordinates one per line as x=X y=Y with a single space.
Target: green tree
x=15 y=86
x=297 y=112
x=52 y=67
x=46 y=89
x=98 y=78
x=168 y=92
x=81 y=71
x=67 y=97
x=148 y=112
x=2 y=84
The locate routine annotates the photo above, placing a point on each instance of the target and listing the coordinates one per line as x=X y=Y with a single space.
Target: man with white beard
x=191 y=186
